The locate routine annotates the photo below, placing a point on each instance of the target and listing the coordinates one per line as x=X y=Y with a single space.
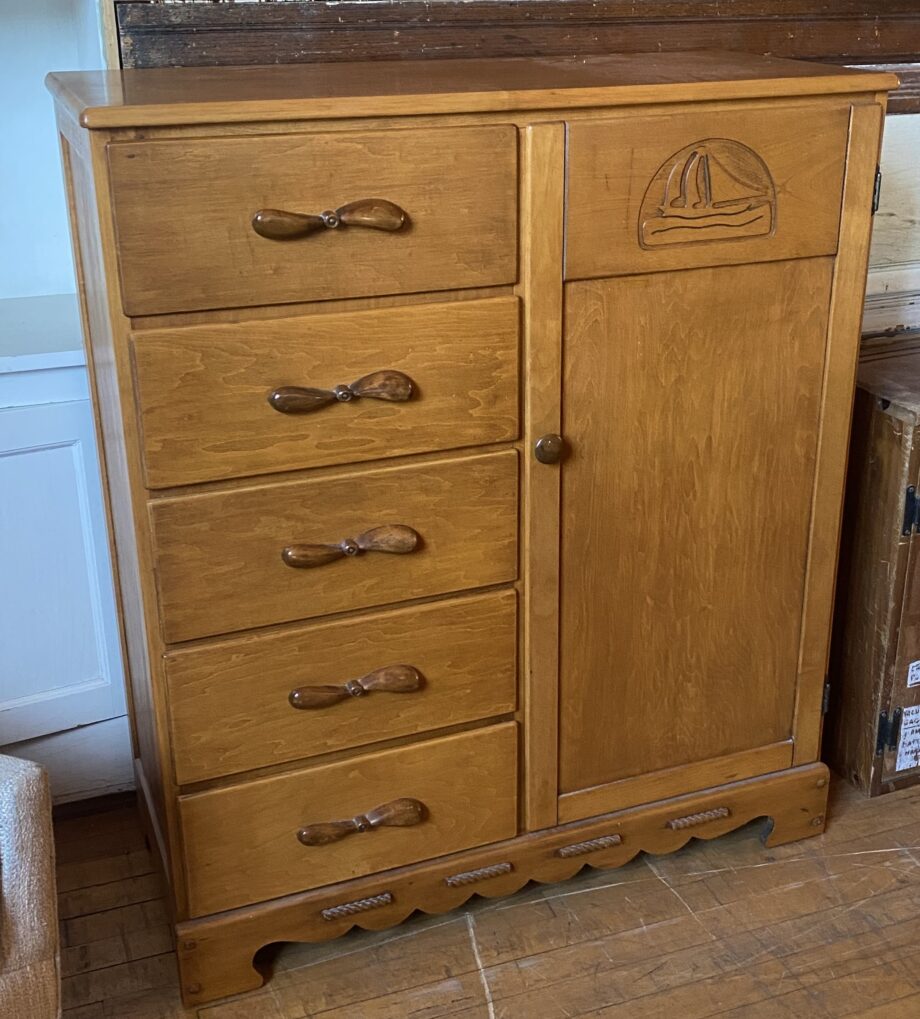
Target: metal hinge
x=889 y=729
x=911 y=520
x=877 y=190
x=826 y=699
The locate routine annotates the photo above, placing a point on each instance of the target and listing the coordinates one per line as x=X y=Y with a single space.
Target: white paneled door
x=60 y=664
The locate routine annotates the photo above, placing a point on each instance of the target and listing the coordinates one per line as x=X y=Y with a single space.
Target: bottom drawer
x=301 y=830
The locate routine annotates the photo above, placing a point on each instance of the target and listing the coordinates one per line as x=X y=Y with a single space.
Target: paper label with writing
x=909 y=740
x=913 y=674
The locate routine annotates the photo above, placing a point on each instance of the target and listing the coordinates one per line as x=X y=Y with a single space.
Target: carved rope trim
x=468 y=877
x=691 y=820
x=358 y=906
x=590 y=846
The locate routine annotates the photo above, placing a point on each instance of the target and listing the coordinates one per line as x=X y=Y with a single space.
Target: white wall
x=893 y=293
x=37 y=36
x=50 y=700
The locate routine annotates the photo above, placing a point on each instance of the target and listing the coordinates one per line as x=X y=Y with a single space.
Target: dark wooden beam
x=837 y=31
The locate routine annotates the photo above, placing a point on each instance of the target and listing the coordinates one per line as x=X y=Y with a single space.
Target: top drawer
x=711 y=187
x=184 y=216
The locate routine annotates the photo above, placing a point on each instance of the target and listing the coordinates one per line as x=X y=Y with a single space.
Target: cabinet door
x=60 y=650
x=691 y=408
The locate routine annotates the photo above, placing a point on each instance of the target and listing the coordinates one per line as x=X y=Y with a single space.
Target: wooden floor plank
x=828 y=928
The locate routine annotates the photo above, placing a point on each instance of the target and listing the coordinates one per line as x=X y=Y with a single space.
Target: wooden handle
x=396 y=539
x=382 y=385
x=402 y=813
x=390 y=679
x=373 y=213
x=370 y=213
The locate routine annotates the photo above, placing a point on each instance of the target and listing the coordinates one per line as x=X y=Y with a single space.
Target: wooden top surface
x=213 y=95
x=890 y=369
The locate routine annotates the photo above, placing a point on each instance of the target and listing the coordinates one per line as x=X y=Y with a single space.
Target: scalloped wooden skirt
x=215 y=953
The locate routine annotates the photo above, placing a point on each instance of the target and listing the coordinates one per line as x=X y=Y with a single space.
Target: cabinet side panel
x=849 y=288
x=103 y=370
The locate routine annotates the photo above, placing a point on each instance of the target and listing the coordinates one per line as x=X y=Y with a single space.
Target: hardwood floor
x=824 y=928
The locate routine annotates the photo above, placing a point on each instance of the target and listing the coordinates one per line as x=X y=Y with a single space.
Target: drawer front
x=703 y=188
x=184 y=216
x=253 y=702
x=221 y=401
x=219 y=556
x=243 y=844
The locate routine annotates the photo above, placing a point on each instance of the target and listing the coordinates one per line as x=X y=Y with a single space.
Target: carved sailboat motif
x=716 y=189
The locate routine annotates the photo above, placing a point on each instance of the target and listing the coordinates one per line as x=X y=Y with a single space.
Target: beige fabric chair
x=29 y=966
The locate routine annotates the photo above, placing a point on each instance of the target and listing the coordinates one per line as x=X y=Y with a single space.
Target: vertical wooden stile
x=841 y=355
x=542 y=208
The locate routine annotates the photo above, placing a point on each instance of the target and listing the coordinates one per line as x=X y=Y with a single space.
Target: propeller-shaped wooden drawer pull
x=396 y=539
x=370 y=213
x=390 y=679
x=403 y=813
x=383 y=385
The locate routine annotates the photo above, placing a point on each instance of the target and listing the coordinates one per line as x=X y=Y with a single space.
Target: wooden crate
x=873 y=727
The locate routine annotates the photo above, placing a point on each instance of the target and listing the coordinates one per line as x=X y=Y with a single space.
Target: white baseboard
x=93 y=760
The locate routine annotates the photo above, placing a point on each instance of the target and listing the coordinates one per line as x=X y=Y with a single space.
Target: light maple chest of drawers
x=474 y=434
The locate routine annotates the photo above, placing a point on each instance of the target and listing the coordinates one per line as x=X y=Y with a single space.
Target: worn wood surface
x=202 y=391
x=684 y=534
x=229 y=706
x=876 y=617
x=620 y=170
x=198 y=34
x=204 y=252
x=241 y=841
x=825 y=928
x=870 y=587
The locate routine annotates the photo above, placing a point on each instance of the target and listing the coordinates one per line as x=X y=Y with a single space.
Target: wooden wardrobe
x=475 y=435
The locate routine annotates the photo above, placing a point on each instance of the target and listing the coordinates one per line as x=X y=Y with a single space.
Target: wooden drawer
x=703 y=188
x=242 y=843
x=203 y=392
x=219 y=555
x=232 y=705
x=184 y=216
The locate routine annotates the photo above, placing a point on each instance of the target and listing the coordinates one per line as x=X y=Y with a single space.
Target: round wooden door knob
x=548 y=449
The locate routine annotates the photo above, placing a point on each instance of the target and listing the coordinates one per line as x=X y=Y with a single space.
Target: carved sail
x=714 y=190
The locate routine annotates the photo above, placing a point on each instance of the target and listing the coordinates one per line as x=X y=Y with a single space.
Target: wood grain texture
x=542 y=198
x=847 y=296
x=870 y=587
x=695 y=399
x=183 y=211
x=202 y=390
x=215 y=952
x=241 y=842
x=197 y=35
x=219 y=565
x=684 y=533
x=613 y=170
x=229 y=701
x=826 y=926
x=661 y=785
x=109 y=376
x=876 y=589
x=222 y=95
